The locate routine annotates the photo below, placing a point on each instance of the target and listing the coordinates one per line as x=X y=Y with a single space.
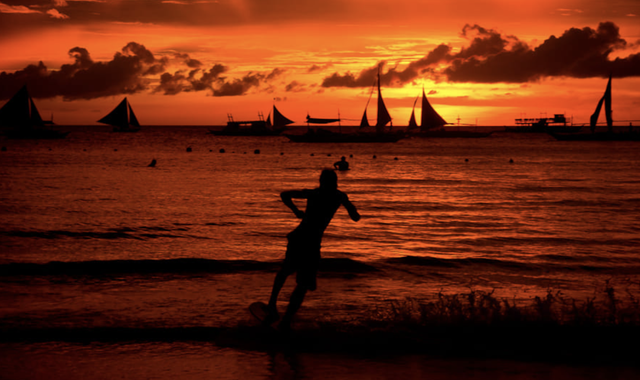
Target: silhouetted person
x=303 y=248
x=342 y=164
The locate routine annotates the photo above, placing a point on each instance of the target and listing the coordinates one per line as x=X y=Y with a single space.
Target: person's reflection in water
x=303 y=248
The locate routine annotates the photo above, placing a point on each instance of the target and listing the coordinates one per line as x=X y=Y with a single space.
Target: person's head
x=343 y=158
x=328 y=180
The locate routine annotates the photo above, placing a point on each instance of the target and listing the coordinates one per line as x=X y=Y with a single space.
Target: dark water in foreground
x=93 y=240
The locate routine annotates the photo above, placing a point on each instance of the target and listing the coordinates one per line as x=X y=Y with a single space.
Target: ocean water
x=96 y=246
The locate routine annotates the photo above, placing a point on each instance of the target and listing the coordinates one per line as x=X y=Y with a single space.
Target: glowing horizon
x=193 y=62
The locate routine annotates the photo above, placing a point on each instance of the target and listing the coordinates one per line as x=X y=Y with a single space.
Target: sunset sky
x=194 y=61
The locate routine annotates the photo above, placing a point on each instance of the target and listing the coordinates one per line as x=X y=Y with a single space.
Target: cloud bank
x=491 y=57
x=132 y=70
x=488 y=57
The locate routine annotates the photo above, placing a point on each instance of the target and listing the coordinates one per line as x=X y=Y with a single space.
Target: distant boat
x=122 y=118
x=544 y=125
x=432 y=124
x=258 y=127
x=379 y=136
x=610 y=134
x=21 y=115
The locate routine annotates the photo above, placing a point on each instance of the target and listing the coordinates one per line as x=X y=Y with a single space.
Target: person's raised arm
x=287 y=199
x=351 y=209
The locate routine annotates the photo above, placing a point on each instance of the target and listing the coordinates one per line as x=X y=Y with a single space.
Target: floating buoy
x=152 y=164
x=511 y=161
x=395 y=158
x=257 y=151
x=189 y=149
x=221 y=150
x=374 y=156
x=312 y=154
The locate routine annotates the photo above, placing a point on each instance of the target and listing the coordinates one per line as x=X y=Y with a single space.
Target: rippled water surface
x=92 y=236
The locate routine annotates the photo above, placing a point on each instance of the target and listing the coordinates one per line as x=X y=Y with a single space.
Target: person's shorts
x=303 y=259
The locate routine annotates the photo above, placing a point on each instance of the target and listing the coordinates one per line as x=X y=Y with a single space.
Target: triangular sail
x=133 y=121
x=122 y=117
x=365 y=121
x=269 y=120
x=383 y=114
x=119 y=117
x=596 y=114
x=412 y=119
x=279 y=120
x=430 y=119
x=20 y=111
x=606 y=99
x=607 y=105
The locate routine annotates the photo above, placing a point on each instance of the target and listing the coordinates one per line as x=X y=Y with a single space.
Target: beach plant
x=482 y=308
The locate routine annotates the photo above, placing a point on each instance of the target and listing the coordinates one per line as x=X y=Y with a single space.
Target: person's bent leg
x=278 y=283
x=294 y=304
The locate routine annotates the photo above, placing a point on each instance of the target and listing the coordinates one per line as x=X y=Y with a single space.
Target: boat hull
x=545 y=129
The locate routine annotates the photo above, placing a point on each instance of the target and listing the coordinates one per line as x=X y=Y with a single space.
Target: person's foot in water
x=272 y=316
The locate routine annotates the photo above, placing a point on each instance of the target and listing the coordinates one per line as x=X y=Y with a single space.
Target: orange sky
x=194 y=61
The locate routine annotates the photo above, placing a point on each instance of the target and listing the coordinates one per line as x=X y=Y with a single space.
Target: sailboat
x=21 y=115
x=379 y=136
x=432 y=124
x=258 y=127
x=609 y=134
x=122 y=118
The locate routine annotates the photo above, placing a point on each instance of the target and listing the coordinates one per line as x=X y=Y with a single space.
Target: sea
x=114 y=269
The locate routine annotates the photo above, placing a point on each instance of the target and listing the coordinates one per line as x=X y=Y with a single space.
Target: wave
x=172 y=266
x=553 y=263
x=328 y=266
x=139 y=233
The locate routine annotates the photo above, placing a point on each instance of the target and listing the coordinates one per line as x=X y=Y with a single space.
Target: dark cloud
x=491 y=57
x=134 y=69
x=194 y=80
x=86 y=79
x=316 y=68
x=577 y=53
x=393 y=76
x=275 y=73
x=294 y=86
x=237 y=87
x=366 y=78
x=190 y=62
